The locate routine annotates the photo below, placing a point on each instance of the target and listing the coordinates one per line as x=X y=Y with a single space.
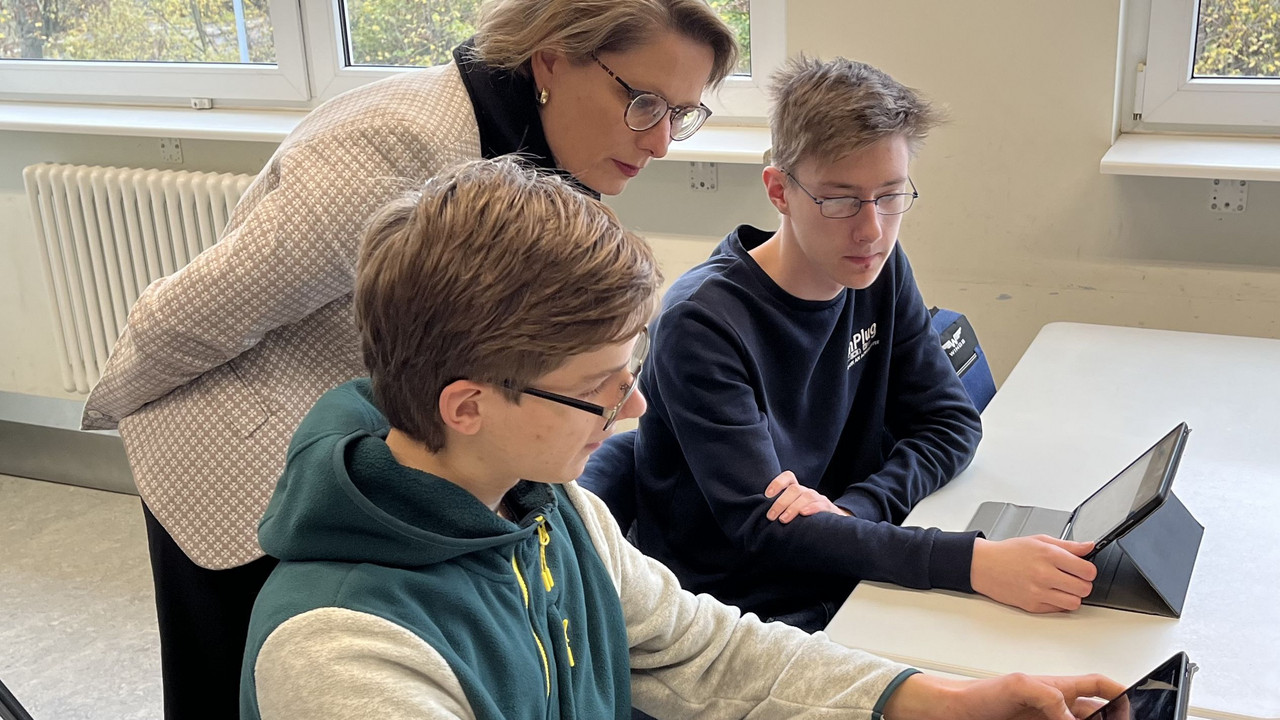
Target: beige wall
x=1015 y=227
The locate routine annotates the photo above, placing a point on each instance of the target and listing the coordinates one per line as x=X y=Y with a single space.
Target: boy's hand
x=795 y=499
x=1009 y=697
x=1039 y=574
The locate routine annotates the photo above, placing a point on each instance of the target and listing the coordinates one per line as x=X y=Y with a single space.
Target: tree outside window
x=1238 y=39
x=188 y=31
x=425 y=32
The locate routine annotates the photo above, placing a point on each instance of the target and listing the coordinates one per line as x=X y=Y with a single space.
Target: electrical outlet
x=703 y=176
x=171 y=150
x=1228 y=197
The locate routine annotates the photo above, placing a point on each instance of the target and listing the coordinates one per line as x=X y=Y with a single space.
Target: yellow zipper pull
x=566 y=641
x=544 y=539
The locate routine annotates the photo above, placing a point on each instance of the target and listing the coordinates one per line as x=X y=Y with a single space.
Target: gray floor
x=77 y=613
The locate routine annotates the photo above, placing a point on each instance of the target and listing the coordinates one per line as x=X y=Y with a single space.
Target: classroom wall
x=1015 y=225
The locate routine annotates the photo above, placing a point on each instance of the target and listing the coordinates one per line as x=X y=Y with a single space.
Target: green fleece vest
x=525 y=614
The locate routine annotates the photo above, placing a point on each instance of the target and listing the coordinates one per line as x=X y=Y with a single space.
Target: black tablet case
x=1149 y=569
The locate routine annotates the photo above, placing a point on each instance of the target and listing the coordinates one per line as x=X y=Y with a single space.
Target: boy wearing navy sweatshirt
x=436 y=559
x=800 y=404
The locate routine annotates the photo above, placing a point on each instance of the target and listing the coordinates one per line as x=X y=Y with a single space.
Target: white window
x=153 y=50
x=1208 y=65
x=284 y=53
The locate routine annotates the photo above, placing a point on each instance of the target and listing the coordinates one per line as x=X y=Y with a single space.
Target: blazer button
x=94 y=414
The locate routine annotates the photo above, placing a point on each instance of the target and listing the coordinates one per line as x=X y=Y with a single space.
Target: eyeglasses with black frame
x=646 y=109
x=847 y=207
x=610 y=414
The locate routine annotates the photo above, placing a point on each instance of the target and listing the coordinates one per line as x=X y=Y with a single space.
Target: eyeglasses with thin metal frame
x=847 y=207
x=646 y=109
x=610 y=414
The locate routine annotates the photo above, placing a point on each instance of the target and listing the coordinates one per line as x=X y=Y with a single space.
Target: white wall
x=1015 y=225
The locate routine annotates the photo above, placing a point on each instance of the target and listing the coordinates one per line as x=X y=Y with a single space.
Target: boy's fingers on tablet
x=1077 y=566
x=1075 y=548
x=1084 y=707
x=1087 y=686
x=1073 y=585
x=1071 y=560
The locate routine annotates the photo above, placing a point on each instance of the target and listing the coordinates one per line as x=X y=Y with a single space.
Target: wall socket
x=1228 y=197
x=703 y=176
x=171 y=150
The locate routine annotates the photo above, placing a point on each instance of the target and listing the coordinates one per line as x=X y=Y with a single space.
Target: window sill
x=1194 y=156
x=714 y=143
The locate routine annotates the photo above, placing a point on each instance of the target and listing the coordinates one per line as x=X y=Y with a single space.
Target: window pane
x=425 y=32
x=189 y=31
x=738 y=14
x=407 y=32
x=1238 y=39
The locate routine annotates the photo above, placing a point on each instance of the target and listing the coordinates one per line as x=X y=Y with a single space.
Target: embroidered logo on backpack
x=956 y=342
x=861 y=343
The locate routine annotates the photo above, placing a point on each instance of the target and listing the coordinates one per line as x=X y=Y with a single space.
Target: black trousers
x=204 y=621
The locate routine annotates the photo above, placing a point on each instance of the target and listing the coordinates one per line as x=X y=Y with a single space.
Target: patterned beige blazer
x=221 y=360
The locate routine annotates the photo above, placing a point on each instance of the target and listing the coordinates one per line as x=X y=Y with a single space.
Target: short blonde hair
x=495 y=273
x=511 y=31
x=830 y=109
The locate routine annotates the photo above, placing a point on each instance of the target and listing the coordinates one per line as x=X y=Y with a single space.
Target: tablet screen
x=1132 y=489
x=1155 y=697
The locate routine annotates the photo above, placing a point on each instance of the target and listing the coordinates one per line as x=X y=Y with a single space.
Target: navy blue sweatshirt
x=854 y=395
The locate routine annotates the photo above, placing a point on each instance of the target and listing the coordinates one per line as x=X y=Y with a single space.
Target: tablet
x=1130 y=497
x=10 y=708
x=1164 y=694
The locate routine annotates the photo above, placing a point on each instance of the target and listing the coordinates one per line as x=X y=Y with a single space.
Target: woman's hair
x=829 y=109
x=511 y=31
x=495 y=273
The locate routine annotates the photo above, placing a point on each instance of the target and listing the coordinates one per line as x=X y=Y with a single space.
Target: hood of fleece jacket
x=344 y=498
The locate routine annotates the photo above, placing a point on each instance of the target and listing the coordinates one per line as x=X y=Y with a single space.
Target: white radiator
x=105 y=234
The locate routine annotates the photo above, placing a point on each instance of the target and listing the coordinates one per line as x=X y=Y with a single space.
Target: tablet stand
x=1149 y=569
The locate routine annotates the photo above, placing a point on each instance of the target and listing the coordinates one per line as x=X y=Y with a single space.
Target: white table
x=1082 y=402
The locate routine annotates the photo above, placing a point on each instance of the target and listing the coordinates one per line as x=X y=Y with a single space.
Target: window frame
x=283 y=84
x=1166 y=96
x=311 y=68
x=738 y=98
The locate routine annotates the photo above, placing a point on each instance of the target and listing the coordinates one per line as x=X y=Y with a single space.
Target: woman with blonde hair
x=221 y=360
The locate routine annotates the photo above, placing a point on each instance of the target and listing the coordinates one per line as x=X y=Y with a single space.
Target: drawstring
x=566 y=641
x=544 y=539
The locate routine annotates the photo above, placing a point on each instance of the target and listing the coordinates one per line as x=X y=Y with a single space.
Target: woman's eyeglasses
x=647 y=109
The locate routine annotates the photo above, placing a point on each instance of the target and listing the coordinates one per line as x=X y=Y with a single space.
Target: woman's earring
x=543 y=95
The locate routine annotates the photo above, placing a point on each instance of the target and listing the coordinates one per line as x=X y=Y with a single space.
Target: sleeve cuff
x=861 y=504
x=877 y=713
x=951 y=561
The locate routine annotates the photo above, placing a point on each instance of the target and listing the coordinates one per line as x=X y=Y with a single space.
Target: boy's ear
x=460 y=406
x=775 y=185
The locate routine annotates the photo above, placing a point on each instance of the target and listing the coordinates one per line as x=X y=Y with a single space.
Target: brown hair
x=511 y=31
x=495 y=273
x=830 y=109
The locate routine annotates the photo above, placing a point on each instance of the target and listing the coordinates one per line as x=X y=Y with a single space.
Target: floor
x=77 y=614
